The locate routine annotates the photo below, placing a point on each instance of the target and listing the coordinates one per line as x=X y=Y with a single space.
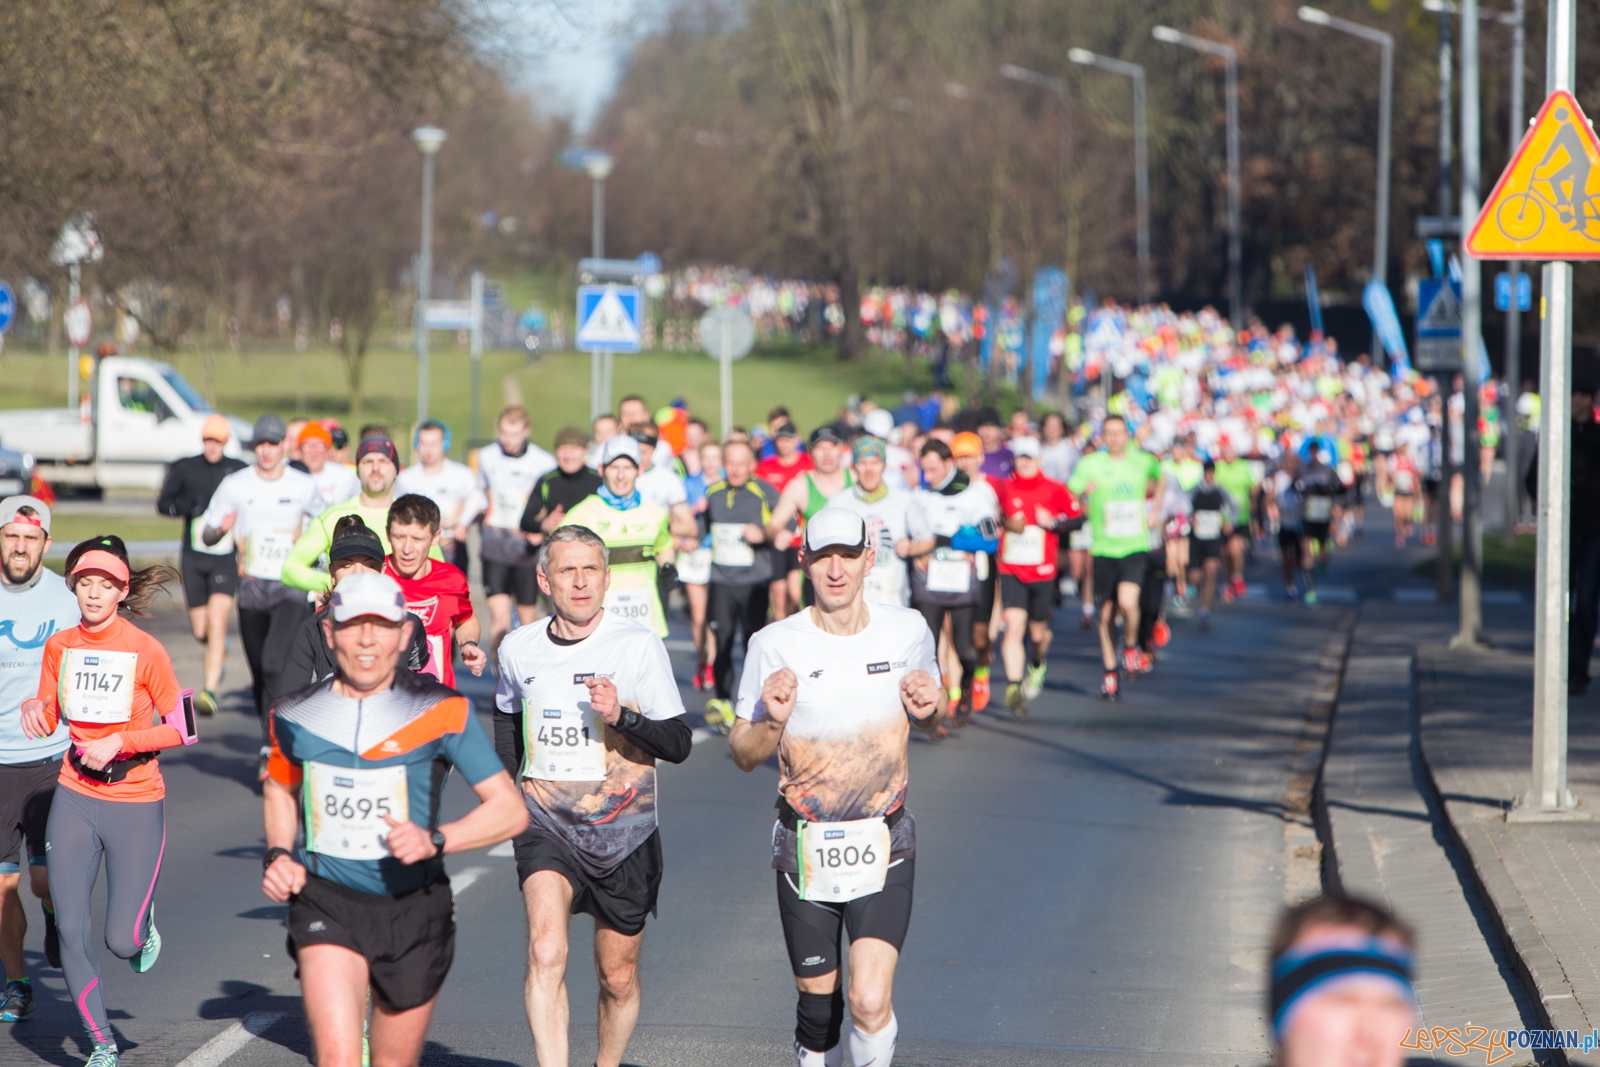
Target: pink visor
x=105 y=562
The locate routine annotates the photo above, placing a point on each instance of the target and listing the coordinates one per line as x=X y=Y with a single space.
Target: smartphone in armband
x=181 y=718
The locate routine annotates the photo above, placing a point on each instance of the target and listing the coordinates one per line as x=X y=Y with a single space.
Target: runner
x=635 y=532
x=1036 y=512
x=739 y=510
x=1238 y=480
x=1319 y=487
x=943 y=583
x=435 y=590
x=335 y=482
x=1284 y=504
x=786 y=463
x=660 y=482
x=1214 y=521
x=34 y=604
x=354 y=844
x=1116 y=483
x=264 y=508
x=694 y=561
x=970 y=457
x=450 y=485
x=508 y=469
x=561 y=489
x=114 y=685
x=1405 y=479
x=1184 y=469
x=808 y=494
x=833 y=690
x=895 y=523
x=210 y=572
x=587 y=704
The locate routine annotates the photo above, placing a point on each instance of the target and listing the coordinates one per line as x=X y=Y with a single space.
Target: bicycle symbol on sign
x=1521 y=216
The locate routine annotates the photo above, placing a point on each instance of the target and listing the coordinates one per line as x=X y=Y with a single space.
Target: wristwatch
x=437 y=837
x=272 y=855
x=628 y=720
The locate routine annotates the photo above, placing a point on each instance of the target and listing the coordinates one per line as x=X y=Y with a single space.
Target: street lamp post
x=1380 y=248
x=1141 y=161
x=429 y=139
x=1064 y=156
x=599 y=165
x=1230 y=59
x=1470 y=633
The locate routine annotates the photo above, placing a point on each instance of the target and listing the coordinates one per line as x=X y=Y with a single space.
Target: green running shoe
x=205 y=702
x=1016 y=699
x=1033 y=681
x=104 y=1055
x=149 y=952
x=16 y=1002
x=719 y=715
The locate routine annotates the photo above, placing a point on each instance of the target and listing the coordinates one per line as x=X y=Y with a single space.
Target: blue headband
x=1305 y=972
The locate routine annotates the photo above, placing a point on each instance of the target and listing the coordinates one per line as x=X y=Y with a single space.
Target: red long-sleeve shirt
x=1023 y=497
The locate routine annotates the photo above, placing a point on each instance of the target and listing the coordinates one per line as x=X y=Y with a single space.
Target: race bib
x=636 y=604
x=1319 y=508
x=345 y=809
x=949 y=575
x=840 y=861
x=266 y=554
x=1404 y=483
x=1124 y=518
x=1208 y=525
x=506 y=507
x=1081 y=539
x=880 y=586
x=223 y=547
x=436 y=656
x=728 y=546
x=694 y=568
x=565 y=744
x=1025 y=549
x=95 y=686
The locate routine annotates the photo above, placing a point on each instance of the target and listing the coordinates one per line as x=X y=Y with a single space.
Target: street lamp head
x=599 y=166
x=1082 y=55
x=429 y=138
x=1315 y=16
x=1166 y=34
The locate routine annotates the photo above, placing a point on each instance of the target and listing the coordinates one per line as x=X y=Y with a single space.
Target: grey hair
x=571 y=535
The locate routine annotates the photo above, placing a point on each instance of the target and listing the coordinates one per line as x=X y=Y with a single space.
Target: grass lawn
x=68 y=529
x=1501 y=565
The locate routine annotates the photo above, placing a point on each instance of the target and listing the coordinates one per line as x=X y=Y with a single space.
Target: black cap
x=786 y=429
x=357 y=542
x=826 y=433
x=268 y=428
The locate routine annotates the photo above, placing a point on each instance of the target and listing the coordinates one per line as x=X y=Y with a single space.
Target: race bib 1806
x=96 y=686
x=841 y=861
x=345 y=809
x=565 y=744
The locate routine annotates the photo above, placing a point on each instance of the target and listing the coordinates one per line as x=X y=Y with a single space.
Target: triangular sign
x=1443 y=315
x=609 y=323
x=1546 y=206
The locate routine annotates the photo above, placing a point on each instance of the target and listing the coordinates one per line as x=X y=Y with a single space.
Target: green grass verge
x=69 y=529
x=1502 y=565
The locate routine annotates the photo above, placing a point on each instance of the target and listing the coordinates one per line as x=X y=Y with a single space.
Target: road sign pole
x=596 y=408
x=477 y=353
x=424 y=281
x=725 y=375
x=72 y=349
x=1513 y=368
x=1470 y=632
x=1548 y=795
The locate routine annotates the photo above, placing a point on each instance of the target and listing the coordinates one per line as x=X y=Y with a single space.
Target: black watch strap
x=272 y=855
x=437 y=837
x=628 y=720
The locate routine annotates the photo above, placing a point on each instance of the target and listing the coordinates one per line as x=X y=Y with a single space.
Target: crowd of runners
x=842 y=584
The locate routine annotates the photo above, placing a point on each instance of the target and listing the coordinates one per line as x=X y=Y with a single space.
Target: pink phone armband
x=181 y=718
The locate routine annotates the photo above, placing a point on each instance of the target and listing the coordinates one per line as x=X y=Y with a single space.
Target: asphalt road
x=1096 y=883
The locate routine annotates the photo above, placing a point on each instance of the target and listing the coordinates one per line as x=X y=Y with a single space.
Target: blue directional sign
x=8 y=306
x=1502 y=292
x=608 y=318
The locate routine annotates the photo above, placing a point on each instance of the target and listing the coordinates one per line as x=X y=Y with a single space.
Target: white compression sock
x=873 y=1050
x=834 y=1057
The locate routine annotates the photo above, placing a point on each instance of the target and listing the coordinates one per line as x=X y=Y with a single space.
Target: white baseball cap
x=835 y=527
x=879 y=423
x=1026 y=446
x=9 y=515
x=365 y=593
x=619 y=447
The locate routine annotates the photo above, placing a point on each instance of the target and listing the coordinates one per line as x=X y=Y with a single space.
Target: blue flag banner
x=1313 y=300
x=1050 y=287
x=1379 y=306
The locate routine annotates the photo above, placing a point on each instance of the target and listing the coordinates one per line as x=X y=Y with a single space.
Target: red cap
x=106 y=563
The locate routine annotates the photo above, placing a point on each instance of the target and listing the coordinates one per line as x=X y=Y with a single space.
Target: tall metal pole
x=1470 y=633
x=1141 y=159
x=424 y=284
x=1513 y=368
x=74 y=277
x=725 y=373
x=477 y=353
x=1446 y=126
x=1548 y=794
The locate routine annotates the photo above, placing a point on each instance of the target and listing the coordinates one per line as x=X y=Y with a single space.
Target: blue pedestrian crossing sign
x=1502 y=292
x=8 y=306
x=608 y=318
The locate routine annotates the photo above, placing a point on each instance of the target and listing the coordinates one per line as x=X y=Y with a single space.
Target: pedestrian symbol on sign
x=608 y=318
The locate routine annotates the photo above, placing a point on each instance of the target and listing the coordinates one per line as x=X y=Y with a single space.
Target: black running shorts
x=1319 y=531
x=621 y=900
x=1037 y=598
x=1200 y=551
x=503 y=579
x=1111 y=571
x=408 y=941
x=811 y=929
x=26 y=790
x=204 y=576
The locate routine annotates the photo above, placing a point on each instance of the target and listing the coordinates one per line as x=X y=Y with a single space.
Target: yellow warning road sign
x=1547 y=203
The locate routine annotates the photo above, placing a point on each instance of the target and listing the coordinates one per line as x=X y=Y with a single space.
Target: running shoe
x=52 y=940
x=205 y=702
x=979 y=692
x=150 y=951
x=261 y=763
x=964 y=707
x=1086 y=620
x=16 y=1002
x=614 y=803
x=1205 y=619
x=1132 y=660
x=1111 y=686
x=719 y=715
x=1180 y=605
x=1033 y=681
x=1147 y=662
x=1227 y=592
x=1311 y=598
x=1162 y=633
x=1239 y=588
x=104 y=1055
x=1016 y=699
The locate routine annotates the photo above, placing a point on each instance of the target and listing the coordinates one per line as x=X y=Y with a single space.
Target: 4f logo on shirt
x=877 y=668
x=815 y=674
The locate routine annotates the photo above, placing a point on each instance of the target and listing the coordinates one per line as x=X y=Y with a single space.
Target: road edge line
x=221 y=1047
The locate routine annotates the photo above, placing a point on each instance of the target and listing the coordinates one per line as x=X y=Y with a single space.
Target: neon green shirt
x=300 y=570
x=635 y=538
x=1117 y=508
x=1240 y=483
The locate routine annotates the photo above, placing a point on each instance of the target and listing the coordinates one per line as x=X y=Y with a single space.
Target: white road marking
x=502 y=850
x=231 y=1040
x=462 y=880
x=674 y=644
x=703 y=735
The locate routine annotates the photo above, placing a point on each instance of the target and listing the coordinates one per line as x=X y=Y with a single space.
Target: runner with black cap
x=264 y=508
x=210 y=572
x=738 y=513
x=832 y=690
x=587 y=704
x=354 y=842
x=807 y=495
x=34 y=604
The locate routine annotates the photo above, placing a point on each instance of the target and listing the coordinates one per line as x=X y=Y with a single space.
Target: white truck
x=141 y=415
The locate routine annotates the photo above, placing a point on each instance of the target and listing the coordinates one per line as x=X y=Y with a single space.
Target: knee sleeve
x=819 y=1018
